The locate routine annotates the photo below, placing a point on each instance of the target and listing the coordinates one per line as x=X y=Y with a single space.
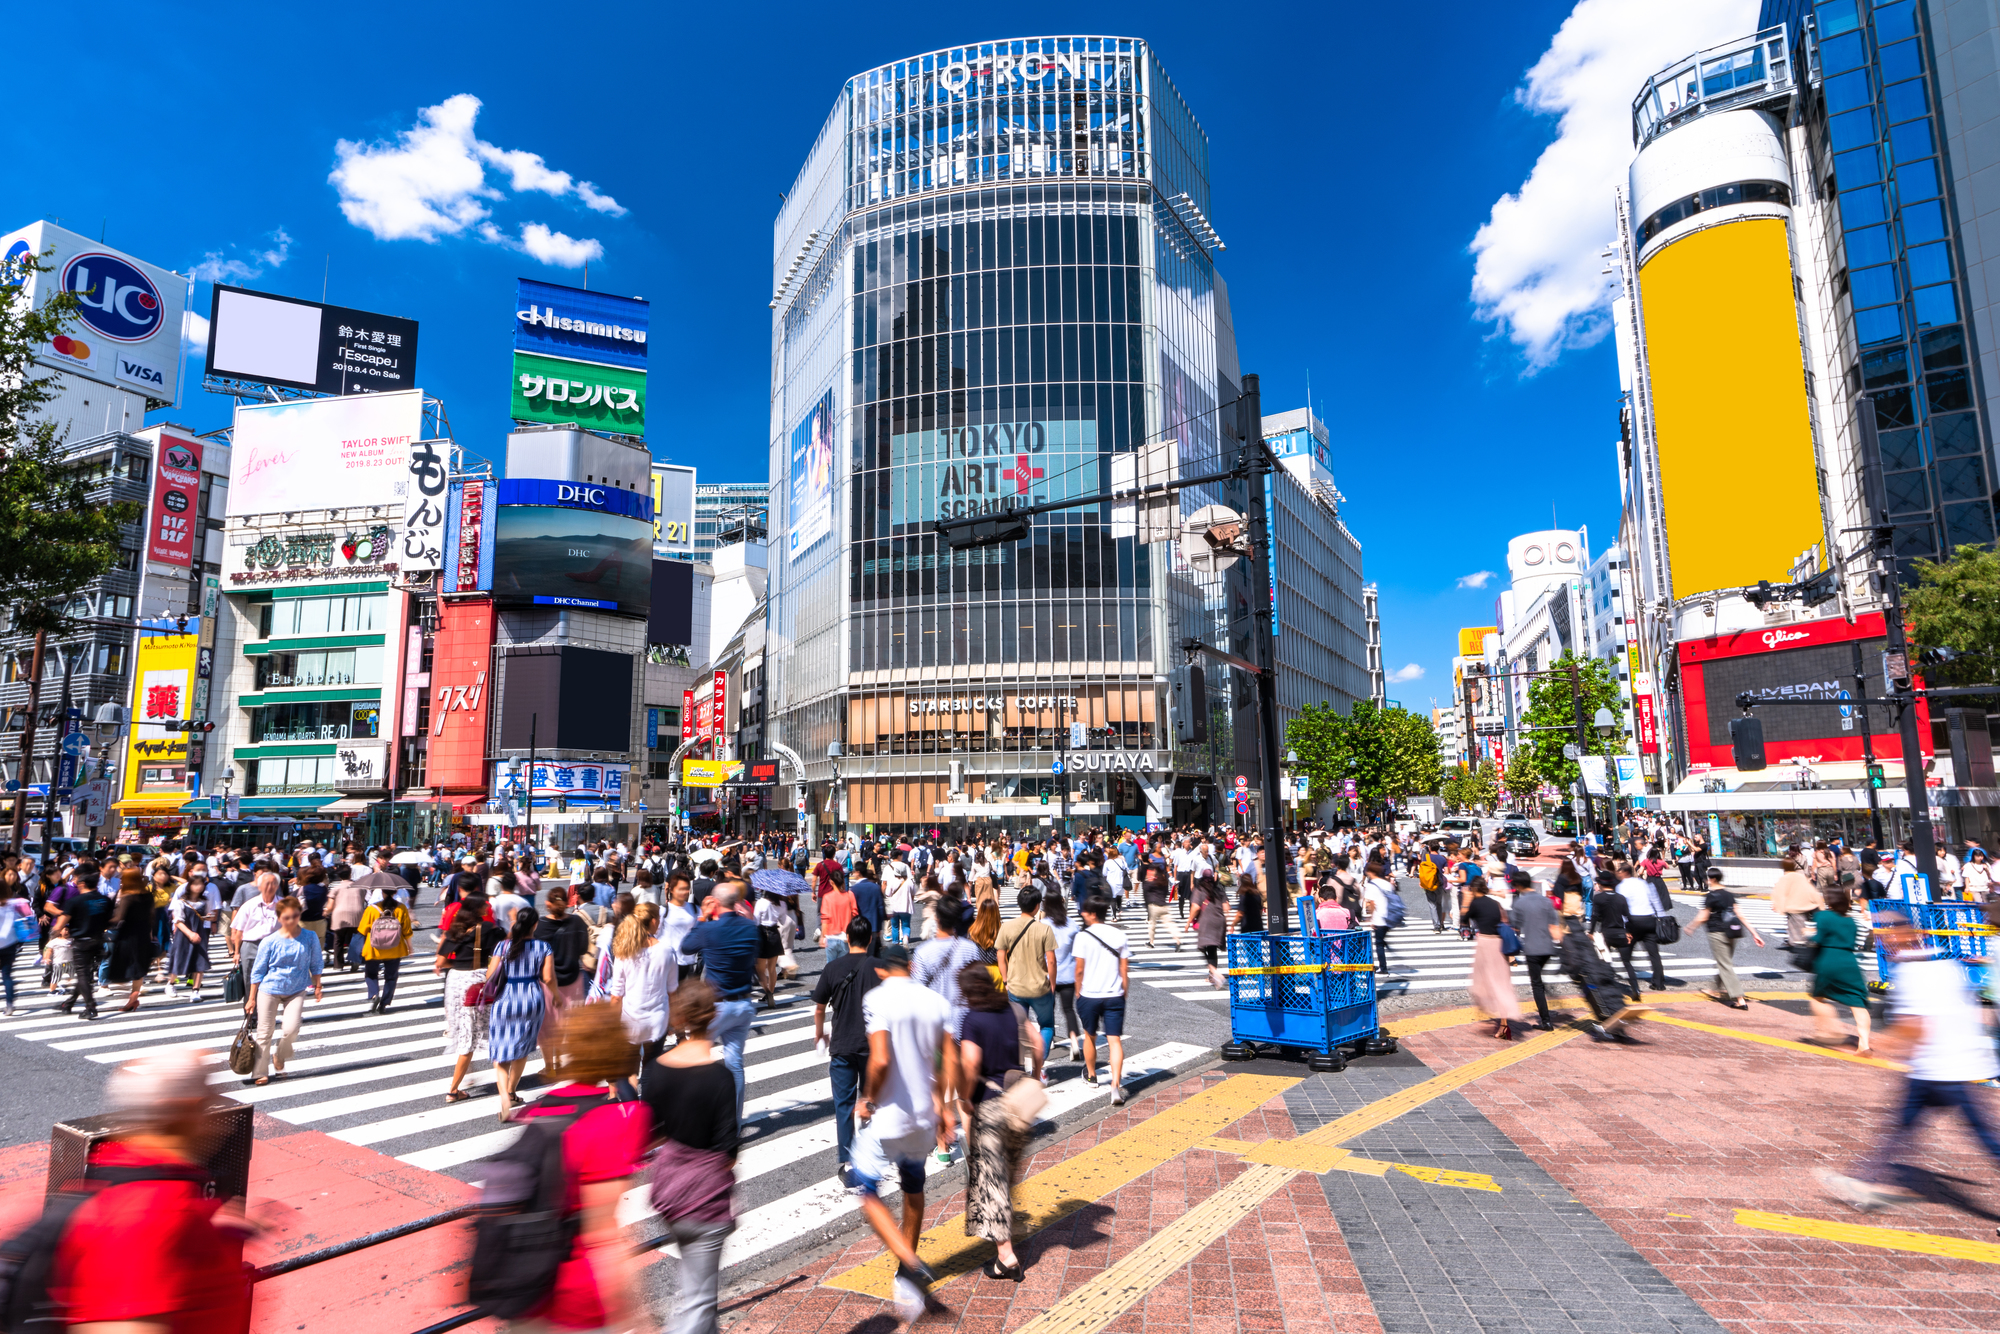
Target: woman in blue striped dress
x=522 y=984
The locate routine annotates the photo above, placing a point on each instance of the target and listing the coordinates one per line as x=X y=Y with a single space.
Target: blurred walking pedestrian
x=1725 y=928
x=288 y=966
x=1492 y=980
x=1837 y=976
x=463 y=956
x=131 y=953
x=693 y=1102
x=989 y=1047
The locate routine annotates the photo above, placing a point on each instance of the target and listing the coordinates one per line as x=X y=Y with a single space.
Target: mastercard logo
x=71 y=347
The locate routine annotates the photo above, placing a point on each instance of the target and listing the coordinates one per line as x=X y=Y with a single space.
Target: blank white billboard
x=259 y=339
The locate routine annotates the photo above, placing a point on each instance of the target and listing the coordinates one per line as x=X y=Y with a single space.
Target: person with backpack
x=1430 y=878
x=1725 y=928
x=385 y=927
x=140 y=1242
x=692 y=1100
x=548 y=1252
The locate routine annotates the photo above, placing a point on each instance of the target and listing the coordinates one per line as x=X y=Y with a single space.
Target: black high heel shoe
x=994 y=1269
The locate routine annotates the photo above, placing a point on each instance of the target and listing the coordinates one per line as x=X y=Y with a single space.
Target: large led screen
x=1821 y=672
x=812 y=476
x=548 y=555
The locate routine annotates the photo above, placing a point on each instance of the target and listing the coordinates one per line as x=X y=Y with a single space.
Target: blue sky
x=1356 y=152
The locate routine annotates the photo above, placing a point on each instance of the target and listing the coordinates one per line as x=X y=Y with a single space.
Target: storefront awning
x=156 y=807
x=347 y=806
x=1837 y=786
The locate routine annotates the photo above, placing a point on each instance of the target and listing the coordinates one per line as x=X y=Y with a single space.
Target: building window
x=292 y=775
x=295 y=617
x=321 y=667
x=316 y=721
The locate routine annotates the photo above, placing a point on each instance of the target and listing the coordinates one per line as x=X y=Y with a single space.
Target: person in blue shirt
x=727 y=945
x=288 y=966
x=869 y=903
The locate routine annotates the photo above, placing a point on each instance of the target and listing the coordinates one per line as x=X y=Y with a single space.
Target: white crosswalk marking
x=379 y=1081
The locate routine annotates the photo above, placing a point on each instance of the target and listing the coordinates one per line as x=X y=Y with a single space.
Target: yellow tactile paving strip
x=1887 y=1238
x=1765 y=1039
x=1077 y=1182
x=1095 y=1304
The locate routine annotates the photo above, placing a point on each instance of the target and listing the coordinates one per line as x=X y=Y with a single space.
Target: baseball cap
x=895 y=956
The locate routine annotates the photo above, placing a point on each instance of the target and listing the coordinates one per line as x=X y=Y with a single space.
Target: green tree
x=1953 y=616
x=1552 y=705
x=52 y=540
x=1389 y=753
x=1473 y=789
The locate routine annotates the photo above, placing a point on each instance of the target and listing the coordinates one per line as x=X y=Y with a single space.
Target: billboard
x=128 y=327
x=599 y=398
x=968 y=470
x=282 y=340
x=580 y=325
x=1729 y=401
x=162 y=691
x=579 y=783
x=170 y=519
x=470 y=514
x=710 y=773
x=555 y=556
x=671 y=619
x=812 y=477
x=1806 y=660
x=310 y=454
x=673 y=507
x=568 y=698
x=461 y=660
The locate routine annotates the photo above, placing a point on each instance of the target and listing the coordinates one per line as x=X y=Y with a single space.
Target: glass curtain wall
x=1902 y=275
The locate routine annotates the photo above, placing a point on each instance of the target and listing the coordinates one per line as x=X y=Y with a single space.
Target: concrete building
x=1323 y=652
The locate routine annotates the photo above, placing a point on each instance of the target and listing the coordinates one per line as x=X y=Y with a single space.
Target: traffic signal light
x=186 y=725
x=993 y=532
x=1746 y=738
x=1876 y=776
x=1760 y=596
x=1821 y=588
x=1045 y=798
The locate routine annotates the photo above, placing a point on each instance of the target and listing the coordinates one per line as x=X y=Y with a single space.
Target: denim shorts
x=1109 y=1009
x=876 y=1157
x=1042 y=1007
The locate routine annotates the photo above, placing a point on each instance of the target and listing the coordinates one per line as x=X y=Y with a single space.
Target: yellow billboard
x=1472 y=640
x=710 y=773
x=162 y=691
x=1738 y=480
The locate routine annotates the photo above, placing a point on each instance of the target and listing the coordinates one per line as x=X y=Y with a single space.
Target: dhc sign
x=576 y=496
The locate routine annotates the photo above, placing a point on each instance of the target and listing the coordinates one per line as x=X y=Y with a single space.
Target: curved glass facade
x=992 y=278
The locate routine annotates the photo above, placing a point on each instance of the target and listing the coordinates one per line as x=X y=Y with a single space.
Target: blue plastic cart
x=1956 y=930
x=1314 y=991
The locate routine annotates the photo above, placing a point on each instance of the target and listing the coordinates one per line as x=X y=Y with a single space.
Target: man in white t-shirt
x=1103 y=974
x=1937 y=1020
x=1115 y=876
x=901 y=1115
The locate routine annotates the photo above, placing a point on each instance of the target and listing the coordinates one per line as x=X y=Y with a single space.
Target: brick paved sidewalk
x=1621 y=1171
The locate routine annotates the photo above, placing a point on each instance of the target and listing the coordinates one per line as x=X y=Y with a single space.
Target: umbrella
x=773 y=881
x=409 y=858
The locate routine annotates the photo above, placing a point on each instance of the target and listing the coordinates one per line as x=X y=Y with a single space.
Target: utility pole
x=1062 y=750
x=1259 y=461
x=1867 y=743
x=1582 y=747
x=1922 y=839
x=27 y=769
x=57 y=763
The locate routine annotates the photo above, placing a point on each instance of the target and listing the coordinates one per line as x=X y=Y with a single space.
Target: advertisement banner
x=969 y=470
x=710 y=773
x=718 y=712
x=687 y=715
x=597 y=398
x=673 y=507
x=424 y=504
x=580 y=325
x=812 y=477
x=170 y=530
x=128 y=327
x=461 y=655
x=361 y=765
x=1649 y=735
x=162 y=689
x=562 y=556
x=282 y=340
x=468 y=538
x=575 y=495
x=579 y=783
x=308 y=454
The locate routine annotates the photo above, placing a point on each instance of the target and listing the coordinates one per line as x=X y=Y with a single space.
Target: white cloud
x=218 y=266
x=432 y=182
x=194 y=333
x=556 y=248
x=1537 y=274
x=1477 y=579
x=1409 y=671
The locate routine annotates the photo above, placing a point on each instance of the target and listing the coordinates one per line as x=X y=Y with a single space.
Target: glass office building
x=1903 y=122
x=993 y=276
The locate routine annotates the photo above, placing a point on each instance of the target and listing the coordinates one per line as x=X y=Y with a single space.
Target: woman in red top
x=154 y=1256
x=594 y=1289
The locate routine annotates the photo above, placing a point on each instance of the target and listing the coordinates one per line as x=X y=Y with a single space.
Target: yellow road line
x=1098 y=1302
x=1320 y=1159
x=1082 y=1180
x=1787 y=1044
x=1888 y=1238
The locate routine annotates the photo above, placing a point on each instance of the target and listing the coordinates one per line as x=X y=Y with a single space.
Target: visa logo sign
x=140 y=373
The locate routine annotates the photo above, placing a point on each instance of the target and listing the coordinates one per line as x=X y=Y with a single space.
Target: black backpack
x=523 y=1234
x=28 y=1258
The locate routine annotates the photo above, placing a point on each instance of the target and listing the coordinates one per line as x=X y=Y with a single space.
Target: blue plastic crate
x=1317 y=1011
x=1953 y=929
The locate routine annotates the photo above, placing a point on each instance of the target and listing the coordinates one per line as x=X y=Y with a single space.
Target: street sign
x=1077 y=740
x=1055 y=766
x=1242 y=783
x=75 y=743
x=1570 y=750
x=1242 y=808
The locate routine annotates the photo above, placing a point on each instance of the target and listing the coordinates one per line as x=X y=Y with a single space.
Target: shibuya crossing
x=993 y=275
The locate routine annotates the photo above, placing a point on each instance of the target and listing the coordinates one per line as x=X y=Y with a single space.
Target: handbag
x=1805 y=958
x=243 y=1051
x=1666 y=929
x=1510 y=940
x=475 y=995
x=233 y=990
x=1021 y=1105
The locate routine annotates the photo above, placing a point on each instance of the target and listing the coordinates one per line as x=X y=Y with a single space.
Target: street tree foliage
x=1472 y=789
x=1389 y=753
x=1953 y=617
x=1552 y=704
x=52 y=540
